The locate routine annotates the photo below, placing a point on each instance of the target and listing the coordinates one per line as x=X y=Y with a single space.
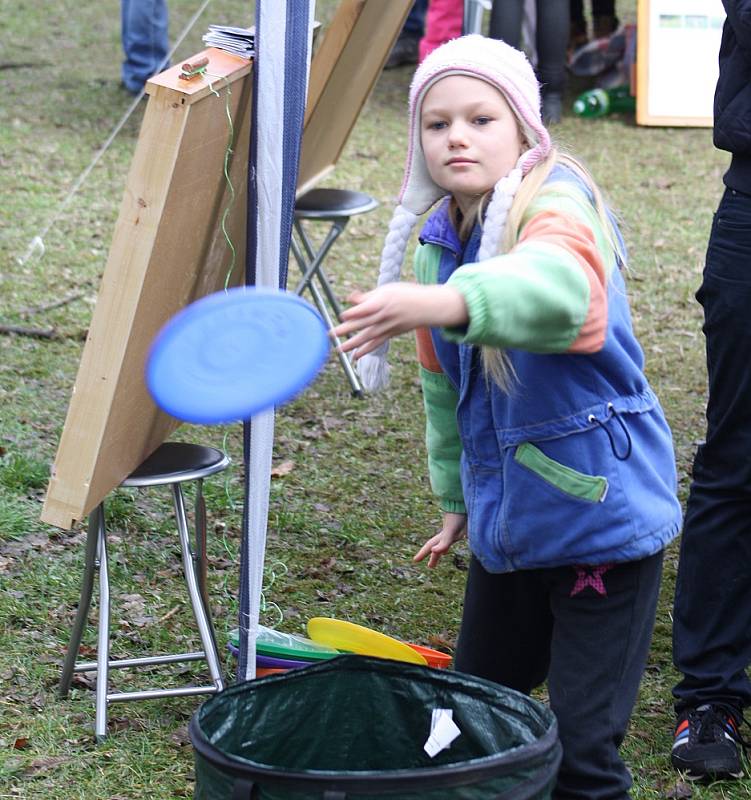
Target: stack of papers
x=239 y=41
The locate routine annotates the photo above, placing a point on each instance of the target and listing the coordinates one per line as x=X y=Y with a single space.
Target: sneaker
x=406 y=50
x=706 y=743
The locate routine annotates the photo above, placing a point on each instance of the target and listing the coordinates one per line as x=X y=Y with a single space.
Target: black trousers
x=587 y=631
x=600 y=8
x=551 y=36
x=712 y=619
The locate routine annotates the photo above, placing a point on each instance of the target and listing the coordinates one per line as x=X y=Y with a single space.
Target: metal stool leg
x=349 y=370
x=312 y=266
x=200 y=537
x=196 y=600
x=103 y=639
x=84 y=602
x=201 y=558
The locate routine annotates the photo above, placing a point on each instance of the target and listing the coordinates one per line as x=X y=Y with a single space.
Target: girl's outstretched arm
x=454 y=527
x=396 y=308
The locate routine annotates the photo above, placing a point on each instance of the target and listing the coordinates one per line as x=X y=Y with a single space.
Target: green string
x=227 y=154
x=233 y=255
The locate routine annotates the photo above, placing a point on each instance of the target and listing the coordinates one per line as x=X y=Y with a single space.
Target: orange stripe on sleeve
x=425 y=350
x=563 y=230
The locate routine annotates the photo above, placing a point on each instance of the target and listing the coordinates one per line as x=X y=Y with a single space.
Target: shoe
x=706 y=744
x=552 y=108
x=406 y=50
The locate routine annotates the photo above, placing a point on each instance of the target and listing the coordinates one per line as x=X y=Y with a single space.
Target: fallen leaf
x=681 y=791
x=45 y=763
x=21 y=743
x=181 y=736
x=440 y=641
x=282 y=469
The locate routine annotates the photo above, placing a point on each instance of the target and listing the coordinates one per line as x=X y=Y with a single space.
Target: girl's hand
x=454 y=527
x=396 y=308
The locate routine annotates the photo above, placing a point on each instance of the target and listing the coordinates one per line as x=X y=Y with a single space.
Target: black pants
x=551 y=36
x=712 y=619
x=587 y=630
x=600 y=8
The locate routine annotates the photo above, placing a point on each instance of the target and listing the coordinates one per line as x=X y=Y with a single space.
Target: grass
x=355 y=505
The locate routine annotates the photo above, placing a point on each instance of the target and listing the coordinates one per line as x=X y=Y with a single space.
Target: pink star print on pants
x=590 y=576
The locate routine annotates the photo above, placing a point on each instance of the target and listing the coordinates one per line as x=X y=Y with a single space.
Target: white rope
x=373 y=368
x=497 y=214
x=37 y=243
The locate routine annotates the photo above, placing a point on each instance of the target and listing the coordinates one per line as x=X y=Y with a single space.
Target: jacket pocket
x=592 y=488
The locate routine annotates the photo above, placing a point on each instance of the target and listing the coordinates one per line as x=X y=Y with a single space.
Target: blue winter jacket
x=574 y=464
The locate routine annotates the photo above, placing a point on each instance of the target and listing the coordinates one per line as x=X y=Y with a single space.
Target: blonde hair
x=496 y=362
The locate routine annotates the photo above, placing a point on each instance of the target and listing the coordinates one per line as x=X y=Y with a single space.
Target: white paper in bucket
x=443 y=731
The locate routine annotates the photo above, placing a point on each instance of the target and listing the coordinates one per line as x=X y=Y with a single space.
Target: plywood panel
x=347 y=67
x=168 y=248
x=166 y=251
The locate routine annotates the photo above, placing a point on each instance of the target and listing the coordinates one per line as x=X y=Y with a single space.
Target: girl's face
x=470 y=136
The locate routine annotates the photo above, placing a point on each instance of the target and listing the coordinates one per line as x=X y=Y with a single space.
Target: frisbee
x=279 y=644
x=234 y=354
x=435 y=658
x=345 y=635
x=279 y=663
x=264 y=672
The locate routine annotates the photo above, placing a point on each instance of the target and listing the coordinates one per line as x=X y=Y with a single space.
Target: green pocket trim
x=584 y=487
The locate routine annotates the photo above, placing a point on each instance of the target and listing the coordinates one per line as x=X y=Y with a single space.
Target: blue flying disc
x=233 y=354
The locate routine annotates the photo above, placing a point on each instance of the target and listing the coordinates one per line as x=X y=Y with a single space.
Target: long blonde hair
x=496 y=362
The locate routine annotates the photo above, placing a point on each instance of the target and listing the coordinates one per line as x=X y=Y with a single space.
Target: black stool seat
x=332 y=203
x=174 y=462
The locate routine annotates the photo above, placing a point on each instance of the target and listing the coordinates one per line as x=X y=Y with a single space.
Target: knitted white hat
x=504 y=67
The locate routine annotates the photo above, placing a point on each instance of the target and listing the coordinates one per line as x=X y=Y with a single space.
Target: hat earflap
x=373 y=368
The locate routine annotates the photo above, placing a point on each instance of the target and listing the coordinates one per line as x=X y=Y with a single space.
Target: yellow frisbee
x=358 y=639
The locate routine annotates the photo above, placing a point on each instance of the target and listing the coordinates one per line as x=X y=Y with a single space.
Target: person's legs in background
x=711 y=634
x=552 y=22
x=604 y=20
x=506 y=21
x=144 y=39
x=551 y=41
x=406 y=49
x=578 y=34
x=443 y=22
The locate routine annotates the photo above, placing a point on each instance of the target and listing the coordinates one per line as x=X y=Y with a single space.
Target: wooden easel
x=168 y=248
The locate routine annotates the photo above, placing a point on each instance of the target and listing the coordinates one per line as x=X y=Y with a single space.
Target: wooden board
x=678 y=43
x=168 y=248
x=166 y=251
x=343 y=74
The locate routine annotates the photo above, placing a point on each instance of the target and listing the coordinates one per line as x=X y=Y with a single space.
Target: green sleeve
x=441 y=432
x=442 y=440
x=537 y=297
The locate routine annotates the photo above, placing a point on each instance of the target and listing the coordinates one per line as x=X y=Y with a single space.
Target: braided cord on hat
x=497 y=213
x=373 y=368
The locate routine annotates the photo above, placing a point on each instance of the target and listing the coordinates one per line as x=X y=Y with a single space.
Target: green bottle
x=599 y=102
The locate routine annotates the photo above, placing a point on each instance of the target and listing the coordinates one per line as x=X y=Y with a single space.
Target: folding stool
x=335 y=206
x=172 y=464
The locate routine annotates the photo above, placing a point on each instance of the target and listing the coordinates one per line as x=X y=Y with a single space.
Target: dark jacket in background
x=732 y=102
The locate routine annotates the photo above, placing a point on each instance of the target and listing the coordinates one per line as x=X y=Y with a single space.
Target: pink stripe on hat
x=490 y=60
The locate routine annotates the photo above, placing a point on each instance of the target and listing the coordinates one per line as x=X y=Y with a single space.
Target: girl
x=546 y=444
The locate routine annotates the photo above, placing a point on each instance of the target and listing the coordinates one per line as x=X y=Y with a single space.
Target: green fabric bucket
x=354 y=727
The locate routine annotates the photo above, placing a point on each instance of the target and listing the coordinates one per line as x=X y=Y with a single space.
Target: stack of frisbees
x=277 y=651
